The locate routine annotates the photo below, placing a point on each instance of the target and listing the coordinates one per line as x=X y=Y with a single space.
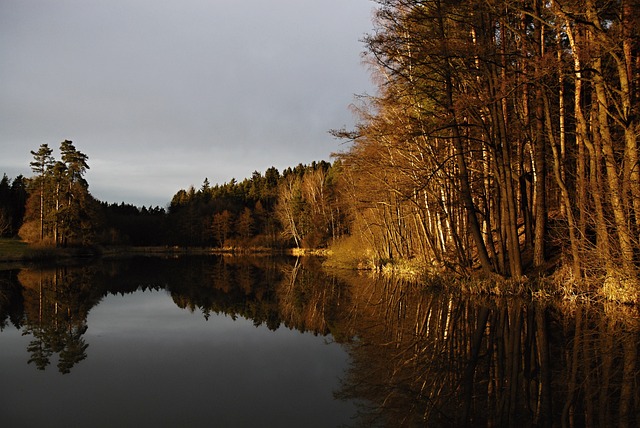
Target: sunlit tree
x=60 y=195
x=41 y=166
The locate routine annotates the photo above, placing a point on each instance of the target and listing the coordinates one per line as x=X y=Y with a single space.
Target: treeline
x=297 y=208
x=54 y=207
x=13 y=198
x=300 y=207
x=501 y=129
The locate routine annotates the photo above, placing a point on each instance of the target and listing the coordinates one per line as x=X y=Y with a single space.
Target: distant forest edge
x=297 y=208
x=503 y=139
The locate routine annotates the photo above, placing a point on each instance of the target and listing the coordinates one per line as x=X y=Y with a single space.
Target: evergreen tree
x=19 y=196
x=5 y=206
x=60 y=197
x=41 y=166
x=78 y=205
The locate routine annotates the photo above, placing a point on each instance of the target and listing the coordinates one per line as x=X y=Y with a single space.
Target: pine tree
x=41 y=166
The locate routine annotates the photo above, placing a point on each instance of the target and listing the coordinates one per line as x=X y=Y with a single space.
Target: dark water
x=234 y=342
x=170 y=343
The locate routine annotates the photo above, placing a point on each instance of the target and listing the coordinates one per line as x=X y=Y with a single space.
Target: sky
x=161 y=94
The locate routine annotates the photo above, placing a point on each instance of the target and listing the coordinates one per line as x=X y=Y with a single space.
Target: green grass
x=13 y=249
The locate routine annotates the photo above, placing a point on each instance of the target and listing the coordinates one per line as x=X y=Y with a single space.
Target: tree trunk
x=564 y=194
x=615 y=197
x=540 y=170
x=465 y=189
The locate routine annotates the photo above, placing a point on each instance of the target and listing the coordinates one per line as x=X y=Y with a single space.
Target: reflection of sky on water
x=151 y=363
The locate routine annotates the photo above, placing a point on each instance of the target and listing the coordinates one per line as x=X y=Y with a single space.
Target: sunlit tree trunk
x=540 y=170
x=628 y=66
x=564 y=195
x=460 y=152
x=41 y=165
x=584 y=140
x=287 y=209
x=612 y=171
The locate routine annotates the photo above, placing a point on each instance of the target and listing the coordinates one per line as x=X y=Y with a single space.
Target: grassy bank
x=554 y=282
x=15 y=250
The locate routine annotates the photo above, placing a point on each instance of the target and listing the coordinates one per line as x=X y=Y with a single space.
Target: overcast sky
x=161 y=94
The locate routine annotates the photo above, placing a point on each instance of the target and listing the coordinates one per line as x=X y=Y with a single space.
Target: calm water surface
x=235 y=342
x=148 y=362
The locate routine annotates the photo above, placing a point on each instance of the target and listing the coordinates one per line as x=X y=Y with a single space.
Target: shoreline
x=15 y=254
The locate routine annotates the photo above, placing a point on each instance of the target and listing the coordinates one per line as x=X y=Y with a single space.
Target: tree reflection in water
x=56 y=304
x=440 y=359
x=52 y=304
x=419 y=357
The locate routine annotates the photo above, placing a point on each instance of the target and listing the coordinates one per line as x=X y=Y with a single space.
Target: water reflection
x=56 y=304
x=178 y=342
x=51 y=305
x=439 y=359
x=418 y=357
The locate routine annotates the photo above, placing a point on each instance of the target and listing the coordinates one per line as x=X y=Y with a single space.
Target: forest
x=502 y=140
x=296 y=208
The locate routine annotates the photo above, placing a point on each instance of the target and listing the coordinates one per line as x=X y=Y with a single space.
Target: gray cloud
x=163 y=94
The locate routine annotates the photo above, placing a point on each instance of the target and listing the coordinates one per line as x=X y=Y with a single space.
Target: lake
x=277 y=342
